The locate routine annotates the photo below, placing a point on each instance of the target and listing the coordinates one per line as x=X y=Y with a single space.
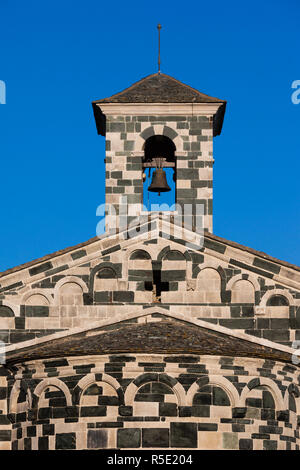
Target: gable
x=151 y=333
x=99 y=248
x=215 y=280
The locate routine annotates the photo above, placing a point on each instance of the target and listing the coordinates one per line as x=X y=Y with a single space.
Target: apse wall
x=136 y=401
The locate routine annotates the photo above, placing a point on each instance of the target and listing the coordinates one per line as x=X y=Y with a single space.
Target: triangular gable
x=92 y=251
x=153 y=332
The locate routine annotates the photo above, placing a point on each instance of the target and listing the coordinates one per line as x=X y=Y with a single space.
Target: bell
x=159 y=182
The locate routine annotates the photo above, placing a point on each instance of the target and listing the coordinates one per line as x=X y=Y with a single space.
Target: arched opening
x=71 y=293
x=99 y=399
x=260 y=403
x=37 y=299
x=140 y=255
x=243 y=292
x=105 y=281
x=52 y=403
x=159 y=154
x=277 y=301
x=106 y=273
x=209 y=285
x=155 y=399
x=23 y=403
x=208 y=400
x=174 y=255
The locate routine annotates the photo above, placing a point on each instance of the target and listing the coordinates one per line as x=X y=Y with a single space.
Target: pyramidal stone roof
x=159 y=88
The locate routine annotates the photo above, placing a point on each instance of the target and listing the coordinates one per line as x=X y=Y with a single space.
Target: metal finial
x=159 y=28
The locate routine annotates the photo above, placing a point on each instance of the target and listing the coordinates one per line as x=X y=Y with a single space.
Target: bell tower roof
x=160 y=88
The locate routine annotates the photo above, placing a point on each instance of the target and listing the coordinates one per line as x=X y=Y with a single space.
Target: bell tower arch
x=159 y=124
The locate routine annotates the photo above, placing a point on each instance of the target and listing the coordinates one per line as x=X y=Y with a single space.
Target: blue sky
x=56 y=57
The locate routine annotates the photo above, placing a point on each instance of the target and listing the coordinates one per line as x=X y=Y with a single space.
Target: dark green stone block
x=40 y=268
x=220 y=397
x=202 y=399
x=166 y=379
x=102 y=296
x=123 y=296
x=182 y=125
x=117 y=127
x=149 y=377
x=280 y=323
x=207 y=427
x=129 y=145
x=5 y=435
x=6 y=311
x=43 y=443
x=149 y=397
x=187 y=174
x=27 y=443
x=78 y=254
x=212 y=245
x=245 y=444
x=199 y=184
x=184 y=411
x=183 y=435
x=237 y=323
x=186 y=193
x=260 y=263
x=247 y=311
x=53 y=271
x=195 y=146
x=276 y=335
x=118 y=190
x=239 y=412
x=156 y=437
x=130 y=438
x=96 y=439
x=65 y=441
x=20 y=323
x=93 y=410
x=125 y=410
x=173 y=275
x=116 y=174
x=148 y=132
x=130 y=127
x=48 y=429
x=270 y=445
x=167 y=409
x=254 y=402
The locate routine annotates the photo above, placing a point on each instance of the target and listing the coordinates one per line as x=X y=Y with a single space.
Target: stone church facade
x=157 y=334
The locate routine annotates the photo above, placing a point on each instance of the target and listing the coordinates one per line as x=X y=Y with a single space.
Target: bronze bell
x=159 y=182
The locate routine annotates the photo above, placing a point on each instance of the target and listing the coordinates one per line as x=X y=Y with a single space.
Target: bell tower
x=161 y=125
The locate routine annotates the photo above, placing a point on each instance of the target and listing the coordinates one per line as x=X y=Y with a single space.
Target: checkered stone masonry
x=192 y=136
x=120 y=279
x=154 y=401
